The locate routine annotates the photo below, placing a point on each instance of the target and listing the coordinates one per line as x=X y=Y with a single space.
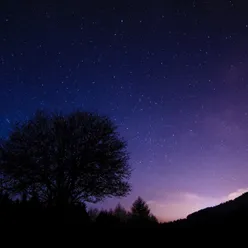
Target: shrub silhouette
x=107 y=219
x=93 y=214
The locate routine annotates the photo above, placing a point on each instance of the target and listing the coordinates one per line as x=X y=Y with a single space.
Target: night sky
x=172 y=76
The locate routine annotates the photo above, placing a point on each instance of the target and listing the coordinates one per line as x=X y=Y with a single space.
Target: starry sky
x=172 y=75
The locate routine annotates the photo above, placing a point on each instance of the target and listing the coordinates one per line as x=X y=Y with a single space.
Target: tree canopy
x=64 y=159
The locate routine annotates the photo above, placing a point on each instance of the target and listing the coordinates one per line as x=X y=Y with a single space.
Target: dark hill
x=229 y=213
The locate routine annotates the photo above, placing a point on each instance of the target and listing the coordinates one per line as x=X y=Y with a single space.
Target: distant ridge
x=233 y=211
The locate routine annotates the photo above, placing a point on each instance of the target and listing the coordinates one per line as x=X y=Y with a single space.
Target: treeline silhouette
x=52 y=165
x=31 y=213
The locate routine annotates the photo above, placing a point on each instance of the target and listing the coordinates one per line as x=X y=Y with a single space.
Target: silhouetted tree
x=141 y=214
x=121 y=213
x=65 y=158
x=140 y=208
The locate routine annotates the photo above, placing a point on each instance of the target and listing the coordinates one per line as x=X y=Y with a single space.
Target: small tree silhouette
x=141 y=214
x=65 y=159
x=121 y=213
x=140 y=208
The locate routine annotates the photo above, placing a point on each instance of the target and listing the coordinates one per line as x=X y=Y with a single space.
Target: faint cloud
x=236 y=194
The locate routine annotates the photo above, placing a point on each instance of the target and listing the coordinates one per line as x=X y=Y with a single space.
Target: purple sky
x=173 y=77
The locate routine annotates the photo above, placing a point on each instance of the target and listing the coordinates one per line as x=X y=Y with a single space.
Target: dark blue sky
x=173 y=77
